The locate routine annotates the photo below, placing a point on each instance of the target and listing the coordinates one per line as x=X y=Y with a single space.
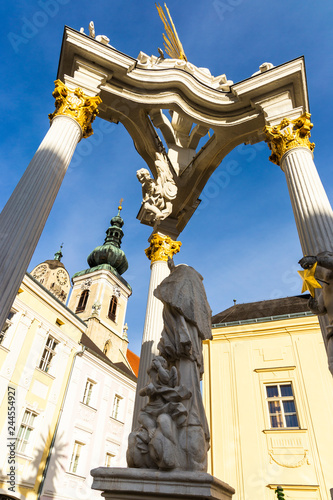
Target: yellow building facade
x=268 y=396
x=67 y=386
x=36 y=356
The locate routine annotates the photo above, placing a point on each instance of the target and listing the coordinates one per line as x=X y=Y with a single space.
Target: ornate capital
x=162 y=247
x=77 y=105
x=288 y=135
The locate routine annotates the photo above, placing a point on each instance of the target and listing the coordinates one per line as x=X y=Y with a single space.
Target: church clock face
x=61 y=277
x=40 y=271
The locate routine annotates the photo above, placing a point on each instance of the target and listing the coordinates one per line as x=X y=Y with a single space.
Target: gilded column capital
x=77 y=105
x=162 y=247
x=288 y=135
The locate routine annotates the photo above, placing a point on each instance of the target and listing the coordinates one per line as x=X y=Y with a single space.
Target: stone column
x=161 y=247
x=292 y=151
x=23 y=218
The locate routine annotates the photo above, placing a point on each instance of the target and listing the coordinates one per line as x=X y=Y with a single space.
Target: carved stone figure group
x=157 y=195
x=173 y=431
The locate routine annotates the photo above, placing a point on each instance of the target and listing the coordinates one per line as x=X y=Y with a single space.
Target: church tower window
x=113 y=308
x=83 y=301
x=107 y=346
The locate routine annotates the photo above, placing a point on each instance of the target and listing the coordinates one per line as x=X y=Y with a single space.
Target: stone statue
x=157 y=194
x=323 y=302
x=173 y=432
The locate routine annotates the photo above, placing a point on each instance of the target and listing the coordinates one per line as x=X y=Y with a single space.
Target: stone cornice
x=294 y=326
x=201 y=99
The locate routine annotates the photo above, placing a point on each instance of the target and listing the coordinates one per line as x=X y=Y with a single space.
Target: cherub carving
x=157 y=195
x=154 y=444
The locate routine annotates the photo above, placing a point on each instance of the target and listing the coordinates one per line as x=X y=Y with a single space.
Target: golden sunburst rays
x=172 y=44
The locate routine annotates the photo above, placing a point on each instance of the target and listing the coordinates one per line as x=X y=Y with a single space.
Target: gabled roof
x=263 y=309
x=92 y=347
x=134 y=361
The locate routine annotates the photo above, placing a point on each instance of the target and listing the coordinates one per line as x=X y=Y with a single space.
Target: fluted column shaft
x=312 y=209
x=23 y=217
x=292 y=150
x=161 y=247
x=151 y=332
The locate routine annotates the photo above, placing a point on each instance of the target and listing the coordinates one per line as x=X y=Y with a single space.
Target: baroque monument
x=189 y=107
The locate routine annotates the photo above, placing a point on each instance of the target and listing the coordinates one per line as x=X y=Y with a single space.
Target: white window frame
x=25 y=431
x=109 y=459
x=116 y=407
x=89 y=392
x=49 y=351
x=74 y=466
x=281 y=399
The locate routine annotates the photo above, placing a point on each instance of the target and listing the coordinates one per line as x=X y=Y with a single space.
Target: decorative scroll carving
x=77 y=105
x=288 y=135
x=86 y=285
x=173 y=430
x=203 y=74
x=157 y=195
x=95 y=308
x=162 y=247
x=289 y=465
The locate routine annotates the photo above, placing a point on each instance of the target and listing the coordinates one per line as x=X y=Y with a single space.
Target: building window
x=48 y=354
x=115 y=408
x=83 y=301
x=107 y=346
x=281 y=406
x=88 y=392
x=25 y=430
x=77 y=449
x=6 y=326
x=108 y=459
x=113 y=308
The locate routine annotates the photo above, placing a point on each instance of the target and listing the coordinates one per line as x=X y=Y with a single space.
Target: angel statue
x=157 y=195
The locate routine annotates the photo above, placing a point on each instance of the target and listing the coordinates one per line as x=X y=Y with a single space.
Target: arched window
x=113 y=308
x=83 y=301
x=107 y=346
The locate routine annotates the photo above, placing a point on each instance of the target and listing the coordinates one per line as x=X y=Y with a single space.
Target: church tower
x=53 y=276
x=100 y=294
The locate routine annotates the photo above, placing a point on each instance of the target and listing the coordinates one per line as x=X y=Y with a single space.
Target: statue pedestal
x=136 y=484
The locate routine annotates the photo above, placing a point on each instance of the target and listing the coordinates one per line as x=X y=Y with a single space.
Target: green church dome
x=110 y=252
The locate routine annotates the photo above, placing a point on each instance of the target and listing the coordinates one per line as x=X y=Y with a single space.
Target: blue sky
x=243 y=237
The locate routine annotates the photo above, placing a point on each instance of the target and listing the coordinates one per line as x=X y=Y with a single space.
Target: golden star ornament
x=309 y=280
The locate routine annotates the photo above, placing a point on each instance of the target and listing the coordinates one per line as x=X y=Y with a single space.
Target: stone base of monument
x=138 y=484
